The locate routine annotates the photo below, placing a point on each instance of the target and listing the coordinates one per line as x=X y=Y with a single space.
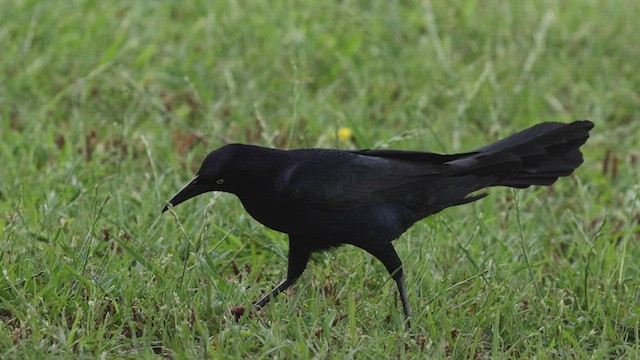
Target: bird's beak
x=192 y=189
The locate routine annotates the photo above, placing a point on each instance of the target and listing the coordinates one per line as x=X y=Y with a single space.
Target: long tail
x=535 y=156
x=538 y=155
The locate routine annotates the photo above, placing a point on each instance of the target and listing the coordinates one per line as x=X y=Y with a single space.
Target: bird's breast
x=271 y=212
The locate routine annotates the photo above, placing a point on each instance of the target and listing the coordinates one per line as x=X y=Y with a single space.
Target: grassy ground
x=107 y=108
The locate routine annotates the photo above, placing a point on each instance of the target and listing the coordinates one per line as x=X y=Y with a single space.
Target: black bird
x=323 y=198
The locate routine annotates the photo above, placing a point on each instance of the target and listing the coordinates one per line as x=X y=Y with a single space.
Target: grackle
x=323 y=198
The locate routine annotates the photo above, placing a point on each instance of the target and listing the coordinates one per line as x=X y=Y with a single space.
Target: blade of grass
x=522 y=244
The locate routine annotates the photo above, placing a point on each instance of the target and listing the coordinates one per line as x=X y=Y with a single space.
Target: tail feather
x=536 y=156
x=545 y=152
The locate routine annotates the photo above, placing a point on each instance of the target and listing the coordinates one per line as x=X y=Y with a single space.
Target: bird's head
x=216 y=173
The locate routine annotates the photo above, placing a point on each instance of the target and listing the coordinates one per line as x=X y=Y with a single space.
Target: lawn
x=108 y=108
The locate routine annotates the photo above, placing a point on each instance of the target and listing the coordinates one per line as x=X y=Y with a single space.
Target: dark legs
x=389 y=258
x=284 y=284
x=298 y=258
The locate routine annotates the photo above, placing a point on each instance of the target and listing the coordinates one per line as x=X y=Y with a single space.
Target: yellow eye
x=219 y=181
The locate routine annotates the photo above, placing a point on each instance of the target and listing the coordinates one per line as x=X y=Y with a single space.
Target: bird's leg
x=298 y=258
x=284 y=284
x=403 y=294
x=389 y=258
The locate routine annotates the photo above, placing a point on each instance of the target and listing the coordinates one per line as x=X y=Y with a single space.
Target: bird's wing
x=342 y=180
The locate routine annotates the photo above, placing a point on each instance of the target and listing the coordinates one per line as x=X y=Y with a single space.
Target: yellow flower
x=345 y=134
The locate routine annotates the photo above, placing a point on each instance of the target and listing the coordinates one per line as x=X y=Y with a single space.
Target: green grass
x=107 y=108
